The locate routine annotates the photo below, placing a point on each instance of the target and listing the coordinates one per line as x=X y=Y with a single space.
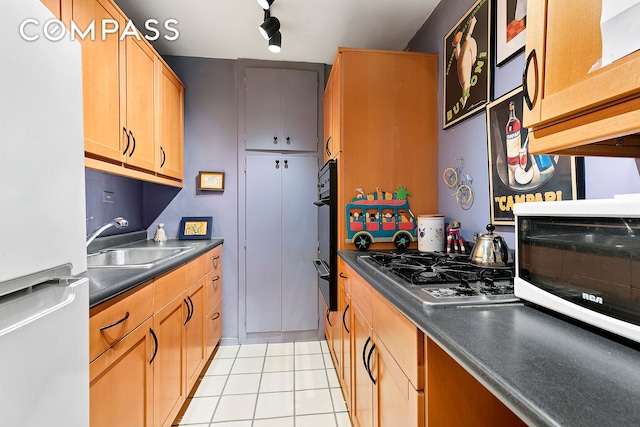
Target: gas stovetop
x=438 y=279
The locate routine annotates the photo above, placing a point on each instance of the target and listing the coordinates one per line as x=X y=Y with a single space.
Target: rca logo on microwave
x=592 y=298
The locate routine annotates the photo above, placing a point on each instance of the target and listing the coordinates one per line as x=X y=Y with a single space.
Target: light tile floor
x=268 y=385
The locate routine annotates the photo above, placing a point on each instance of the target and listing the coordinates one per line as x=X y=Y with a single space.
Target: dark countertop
x=106 y=283
x=548 y=369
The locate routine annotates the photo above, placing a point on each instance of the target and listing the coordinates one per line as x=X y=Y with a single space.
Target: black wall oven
x=327 y=263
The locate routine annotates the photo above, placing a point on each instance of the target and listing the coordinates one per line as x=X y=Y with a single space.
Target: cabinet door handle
x=164 y=156
x=286 y=164
x=343 y=275
x=525 y=89
x=188 y=311
x=344 y=313
x=133 y=138
x=288 y=141
x=277 y=164
x=216 y=315
x=364 y=353
x=126 y=132
x=275 y=139
x=126 y=316
x=368 y=366
x=328 y=320
x=155 y=348
x=192 y=308
x=326 y=146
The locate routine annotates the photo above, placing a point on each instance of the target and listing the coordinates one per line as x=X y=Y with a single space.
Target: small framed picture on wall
x=510 y=29
x=467 y=65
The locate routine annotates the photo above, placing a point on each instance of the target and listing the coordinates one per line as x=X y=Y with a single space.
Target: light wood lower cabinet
x=169 y=364
x=454 y=398
x=121 y=382
x=149 y=346
x=194 y=335
x=362 y=410
x=393 y=375
x=384 y=378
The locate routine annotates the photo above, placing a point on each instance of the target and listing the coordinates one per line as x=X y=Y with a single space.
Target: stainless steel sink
x=133 y=257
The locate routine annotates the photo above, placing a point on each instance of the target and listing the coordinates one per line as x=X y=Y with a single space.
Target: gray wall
x=603 y=176
x=210 y=144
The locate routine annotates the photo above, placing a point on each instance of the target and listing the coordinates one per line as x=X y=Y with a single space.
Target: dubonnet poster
x=515 y=175
x=467 y=65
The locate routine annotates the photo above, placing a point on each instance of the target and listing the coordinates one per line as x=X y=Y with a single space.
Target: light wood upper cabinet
x=54 y=6
x=170 y=123
x=332 y=113
x=577 y=108
x=386 y=118
x=101 y=82
x=139 y=134
x=133 y=102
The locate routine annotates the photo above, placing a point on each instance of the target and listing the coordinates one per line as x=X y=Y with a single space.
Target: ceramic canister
x=431 y=233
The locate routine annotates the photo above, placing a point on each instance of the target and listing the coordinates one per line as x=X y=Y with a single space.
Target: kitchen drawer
x=169 y=286
x=403 y=339
x=195 y=269
x=214 y=259
x=111 y=321
x=361 y=293
x=212 y=289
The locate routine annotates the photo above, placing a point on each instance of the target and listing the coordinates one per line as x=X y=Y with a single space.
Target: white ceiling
x=312 y=30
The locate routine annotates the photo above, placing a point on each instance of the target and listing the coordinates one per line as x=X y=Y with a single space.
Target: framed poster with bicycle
x=517 y=176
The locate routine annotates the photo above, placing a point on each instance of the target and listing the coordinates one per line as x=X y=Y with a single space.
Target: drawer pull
x=344 y=313
x=214 y=261
x=215 y=279
x=216 y=315
x=342 y=275
x=126 y=316
x=155 y=348
x=328 y=319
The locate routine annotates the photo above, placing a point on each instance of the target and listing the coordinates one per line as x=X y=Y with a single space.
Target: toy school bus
x=370 y=221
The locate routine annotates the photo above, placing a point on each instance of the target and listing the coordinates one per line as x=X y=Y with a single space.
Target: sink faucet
x=117 y=223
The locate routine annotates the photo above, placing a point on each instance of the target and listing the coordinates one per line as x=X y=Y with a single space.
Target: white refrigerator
x=44 y=309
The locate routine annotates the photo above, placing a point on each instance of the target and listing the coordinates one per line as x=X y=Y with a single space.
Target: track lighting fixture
x=265 y=4
x=270 y=26
x=275 y=42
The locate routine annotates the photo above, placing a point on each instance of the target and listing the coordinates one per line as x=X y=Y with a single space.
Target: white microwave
x=581 y=258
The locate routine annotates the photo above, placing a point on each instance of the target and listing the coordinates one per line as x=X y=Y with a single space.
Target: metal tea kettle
x=490 y=249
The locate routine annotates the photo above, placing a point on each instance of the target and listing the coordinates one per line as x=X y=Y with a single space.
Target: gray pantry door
x=281 y=243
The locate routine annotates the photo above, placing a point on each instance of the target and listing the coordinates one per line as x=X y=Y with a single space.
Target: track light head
x=269 y=27
x=275 y=42
x=265 y=4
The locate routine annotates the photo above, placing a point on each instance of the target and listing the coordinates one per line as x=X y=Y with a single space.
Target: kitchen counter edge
x=107 y=283
x=549 y=370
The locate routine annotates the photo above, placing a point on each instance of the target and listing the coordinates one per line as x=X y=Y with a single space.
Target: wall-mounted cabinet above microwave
x=582 y=93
